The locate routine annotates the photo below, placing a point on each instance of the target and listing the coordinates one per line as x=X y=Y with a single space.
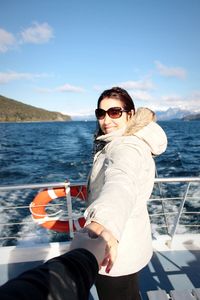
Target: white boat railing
x=173 y=227
x=159 y=182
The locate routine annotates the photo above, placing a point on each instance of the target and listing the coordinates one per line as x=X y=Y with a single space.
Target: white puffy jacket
x=120 y=184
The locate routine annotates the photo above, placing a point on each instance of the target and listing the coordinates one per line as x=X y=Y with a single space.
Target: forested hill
x=16 y=111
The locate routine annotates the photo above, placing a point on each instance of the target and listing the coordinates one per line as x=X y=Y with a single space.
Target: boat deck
x=172 y=269
x=177 y=268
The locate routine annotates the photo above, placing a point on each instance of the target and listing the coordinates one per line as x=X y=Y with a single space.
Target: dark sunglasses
x=113 y=112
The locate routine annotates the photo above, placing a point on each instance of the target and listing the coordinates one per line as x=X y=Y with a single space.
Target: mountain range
x=16 y=111
x=167 y=115
x=177 y=113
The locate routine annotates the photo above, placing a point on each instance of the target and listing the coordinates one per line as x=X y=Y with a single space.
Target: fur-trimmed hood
x=139 y=120
x=143 y=125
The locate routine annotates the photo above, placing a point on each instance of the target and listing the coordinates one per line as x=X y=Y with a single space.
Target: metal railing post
x=69 y=208
x=162 y=203
x=176 y=222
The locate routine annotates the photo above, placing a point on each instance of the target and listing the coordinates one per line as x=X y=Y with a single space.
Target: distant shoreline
x=16 y=111
x=45 y=121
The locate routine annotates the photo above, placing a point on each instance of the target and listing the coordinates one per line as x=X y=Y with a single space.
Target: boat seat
x=174 y=295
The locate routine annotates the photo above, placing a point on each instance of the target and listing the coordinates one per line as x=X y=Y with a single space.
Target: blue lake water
x=56 y=151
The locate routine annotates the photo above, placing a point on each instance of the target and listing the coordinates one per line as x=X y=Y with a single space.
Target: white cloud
x=66 y=88
x=140 y=85
x=189 y=102
x=12 y=76
x=7 y=40
x=137 y=85
x=69 y=88
x=193 y=101
x=141 y=95
x=98 y=88
x=37 y=33
x=196 y=95
x=170 y=71
x=172 y=100
x=138 y=89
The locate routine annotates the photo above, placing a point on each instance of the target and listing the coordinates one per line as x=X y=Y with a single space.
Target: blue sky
x=60 y=54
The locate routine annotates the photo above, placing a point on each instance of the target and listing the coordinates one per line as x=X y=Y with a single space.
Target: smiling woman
x=112 y=118
x=120 y=184
x=115 y=108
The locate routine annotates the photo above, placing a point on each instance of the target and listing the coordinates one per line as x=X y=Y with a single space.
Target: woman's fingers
x=100 y=242
x=112 y=257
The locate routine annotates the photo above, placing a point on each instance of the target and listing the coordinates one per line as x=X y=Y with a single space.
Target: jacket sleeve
x=118 y=195
x=69 y=276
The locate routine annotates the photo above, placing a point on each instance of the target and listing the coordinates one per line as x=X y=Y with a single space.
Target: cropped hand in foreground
x=112 y=244
x=96 y=244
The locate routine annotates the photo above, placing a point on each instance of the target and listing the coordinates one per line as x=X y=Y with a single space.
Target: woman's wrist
x=95 y=227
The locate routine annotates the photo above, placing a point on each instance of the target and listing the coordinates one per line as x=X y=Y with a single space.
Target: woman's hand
x=96 y=229
x=96 y=244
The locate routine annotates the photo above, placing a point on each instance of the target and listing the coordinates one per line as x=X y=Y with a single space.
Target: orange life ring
x=38 y=208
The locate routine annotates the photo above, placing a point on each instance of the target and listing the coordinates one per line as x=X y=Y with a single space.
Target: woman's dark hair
x=118 y=94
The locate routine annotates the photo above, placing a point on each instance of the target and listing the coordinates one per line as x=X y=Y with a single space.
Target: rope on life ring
x=38 y=208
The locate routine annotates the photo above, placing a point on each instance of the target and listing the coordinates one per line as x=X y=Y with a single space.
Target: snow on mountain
x=167 y=115
x=172 y=113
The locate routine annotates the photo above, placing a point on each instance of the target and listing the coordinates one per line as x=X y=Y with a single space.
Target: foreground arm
x=69 y=276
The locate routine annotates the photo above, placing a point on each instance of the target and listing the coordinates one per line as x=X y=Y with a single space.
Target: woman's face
x=108 y=124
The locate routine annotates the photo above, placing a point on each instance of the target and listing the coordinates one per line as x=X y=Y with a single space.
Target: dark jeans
x=118 y=288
